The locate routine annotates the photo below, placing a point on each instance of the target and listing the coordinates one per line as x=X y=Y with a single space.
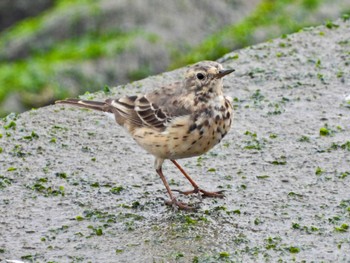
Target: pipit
x=181 y=120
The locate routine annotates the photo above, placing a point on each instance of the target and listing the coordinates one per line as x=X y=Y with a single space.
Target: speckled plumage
x=181 y=120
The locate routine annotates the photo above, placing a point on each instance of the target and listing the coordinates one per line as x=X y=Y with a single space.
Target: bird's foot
x=203 y=193
x=216 y=194
x=179 y=205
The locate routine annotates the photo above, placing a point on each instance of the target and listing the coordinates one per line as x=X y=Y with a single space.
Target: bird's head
x=205 y=77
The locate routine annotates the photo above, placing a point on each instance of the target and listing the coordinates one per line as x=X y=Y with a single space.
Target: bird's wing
x=124 y=110
x=150 y=113
x=153 y=109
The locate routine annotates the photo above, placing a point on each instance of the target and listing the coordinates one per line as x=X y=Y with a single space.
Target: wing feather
x=150 y=114
x=154 y=109
x=139 y=111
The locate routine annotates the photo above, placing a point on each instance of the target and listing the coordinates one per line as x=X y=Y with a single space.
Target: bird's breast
x=189 y=135
x=203 y=131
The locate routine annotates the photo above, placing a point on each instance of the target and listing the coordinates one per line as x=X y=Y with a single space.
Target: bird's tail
x=89 y=104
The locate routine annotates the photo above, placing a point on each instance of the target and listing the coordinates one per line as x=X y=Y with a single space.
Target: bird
x=181 y=120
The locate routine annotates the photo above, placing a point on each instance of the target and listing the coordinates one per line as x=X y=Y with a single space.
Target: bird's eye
x=200 y=76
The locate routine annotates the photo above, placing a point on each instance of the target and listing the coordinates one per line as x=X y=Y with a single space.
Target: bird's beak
x=223 y=72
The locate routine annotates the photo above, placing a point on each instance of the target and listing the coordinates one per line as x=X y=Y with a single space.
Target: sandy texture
x=75 y=188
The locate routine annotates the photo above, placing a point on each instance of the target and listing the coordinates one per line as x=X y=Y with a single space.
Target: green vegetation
x=37 y=73
x=49 y=66
x=304 y=138
x=116 y=189
x=254 y=143
x=324 y=131
x=280 y=161
x=271 y=17
x=342 y=228
x=262 y=176
x=32 y=136
x=4 y=181
x=294 y=250
x=41 y=187
x=319 y=171
x=344 y=146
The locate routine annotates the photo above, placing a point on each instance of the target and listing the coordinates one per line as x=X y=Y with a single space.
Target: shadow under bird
x=180 y=120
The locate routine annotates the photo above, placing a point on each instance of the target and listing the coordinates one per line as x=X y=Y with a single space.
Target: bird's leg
x=173 y=201
x=196 y=188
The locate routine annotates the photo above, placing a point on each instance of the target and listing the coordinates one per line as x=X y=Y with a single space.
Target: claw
x=202 y=193
x=180 y=205
x=194 y=191
x=217 y=194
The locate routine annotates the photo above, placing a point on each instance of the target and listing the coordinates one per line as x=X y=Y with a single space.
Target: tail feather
x=94 y=105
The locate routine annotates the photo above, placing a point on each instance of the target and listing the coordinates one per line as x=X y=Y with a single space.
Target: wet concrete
x=74 y=187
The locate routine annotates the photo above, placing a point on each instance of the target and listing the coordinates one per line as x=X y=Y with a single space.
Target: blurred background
x=53 y=49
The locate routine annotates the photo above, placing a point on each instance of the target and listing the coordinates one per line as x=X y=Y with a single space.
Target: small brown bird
x=181 y=120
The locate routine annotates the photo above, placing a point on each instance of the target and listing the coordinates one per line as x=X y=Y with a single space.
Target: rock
x=12 y=11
